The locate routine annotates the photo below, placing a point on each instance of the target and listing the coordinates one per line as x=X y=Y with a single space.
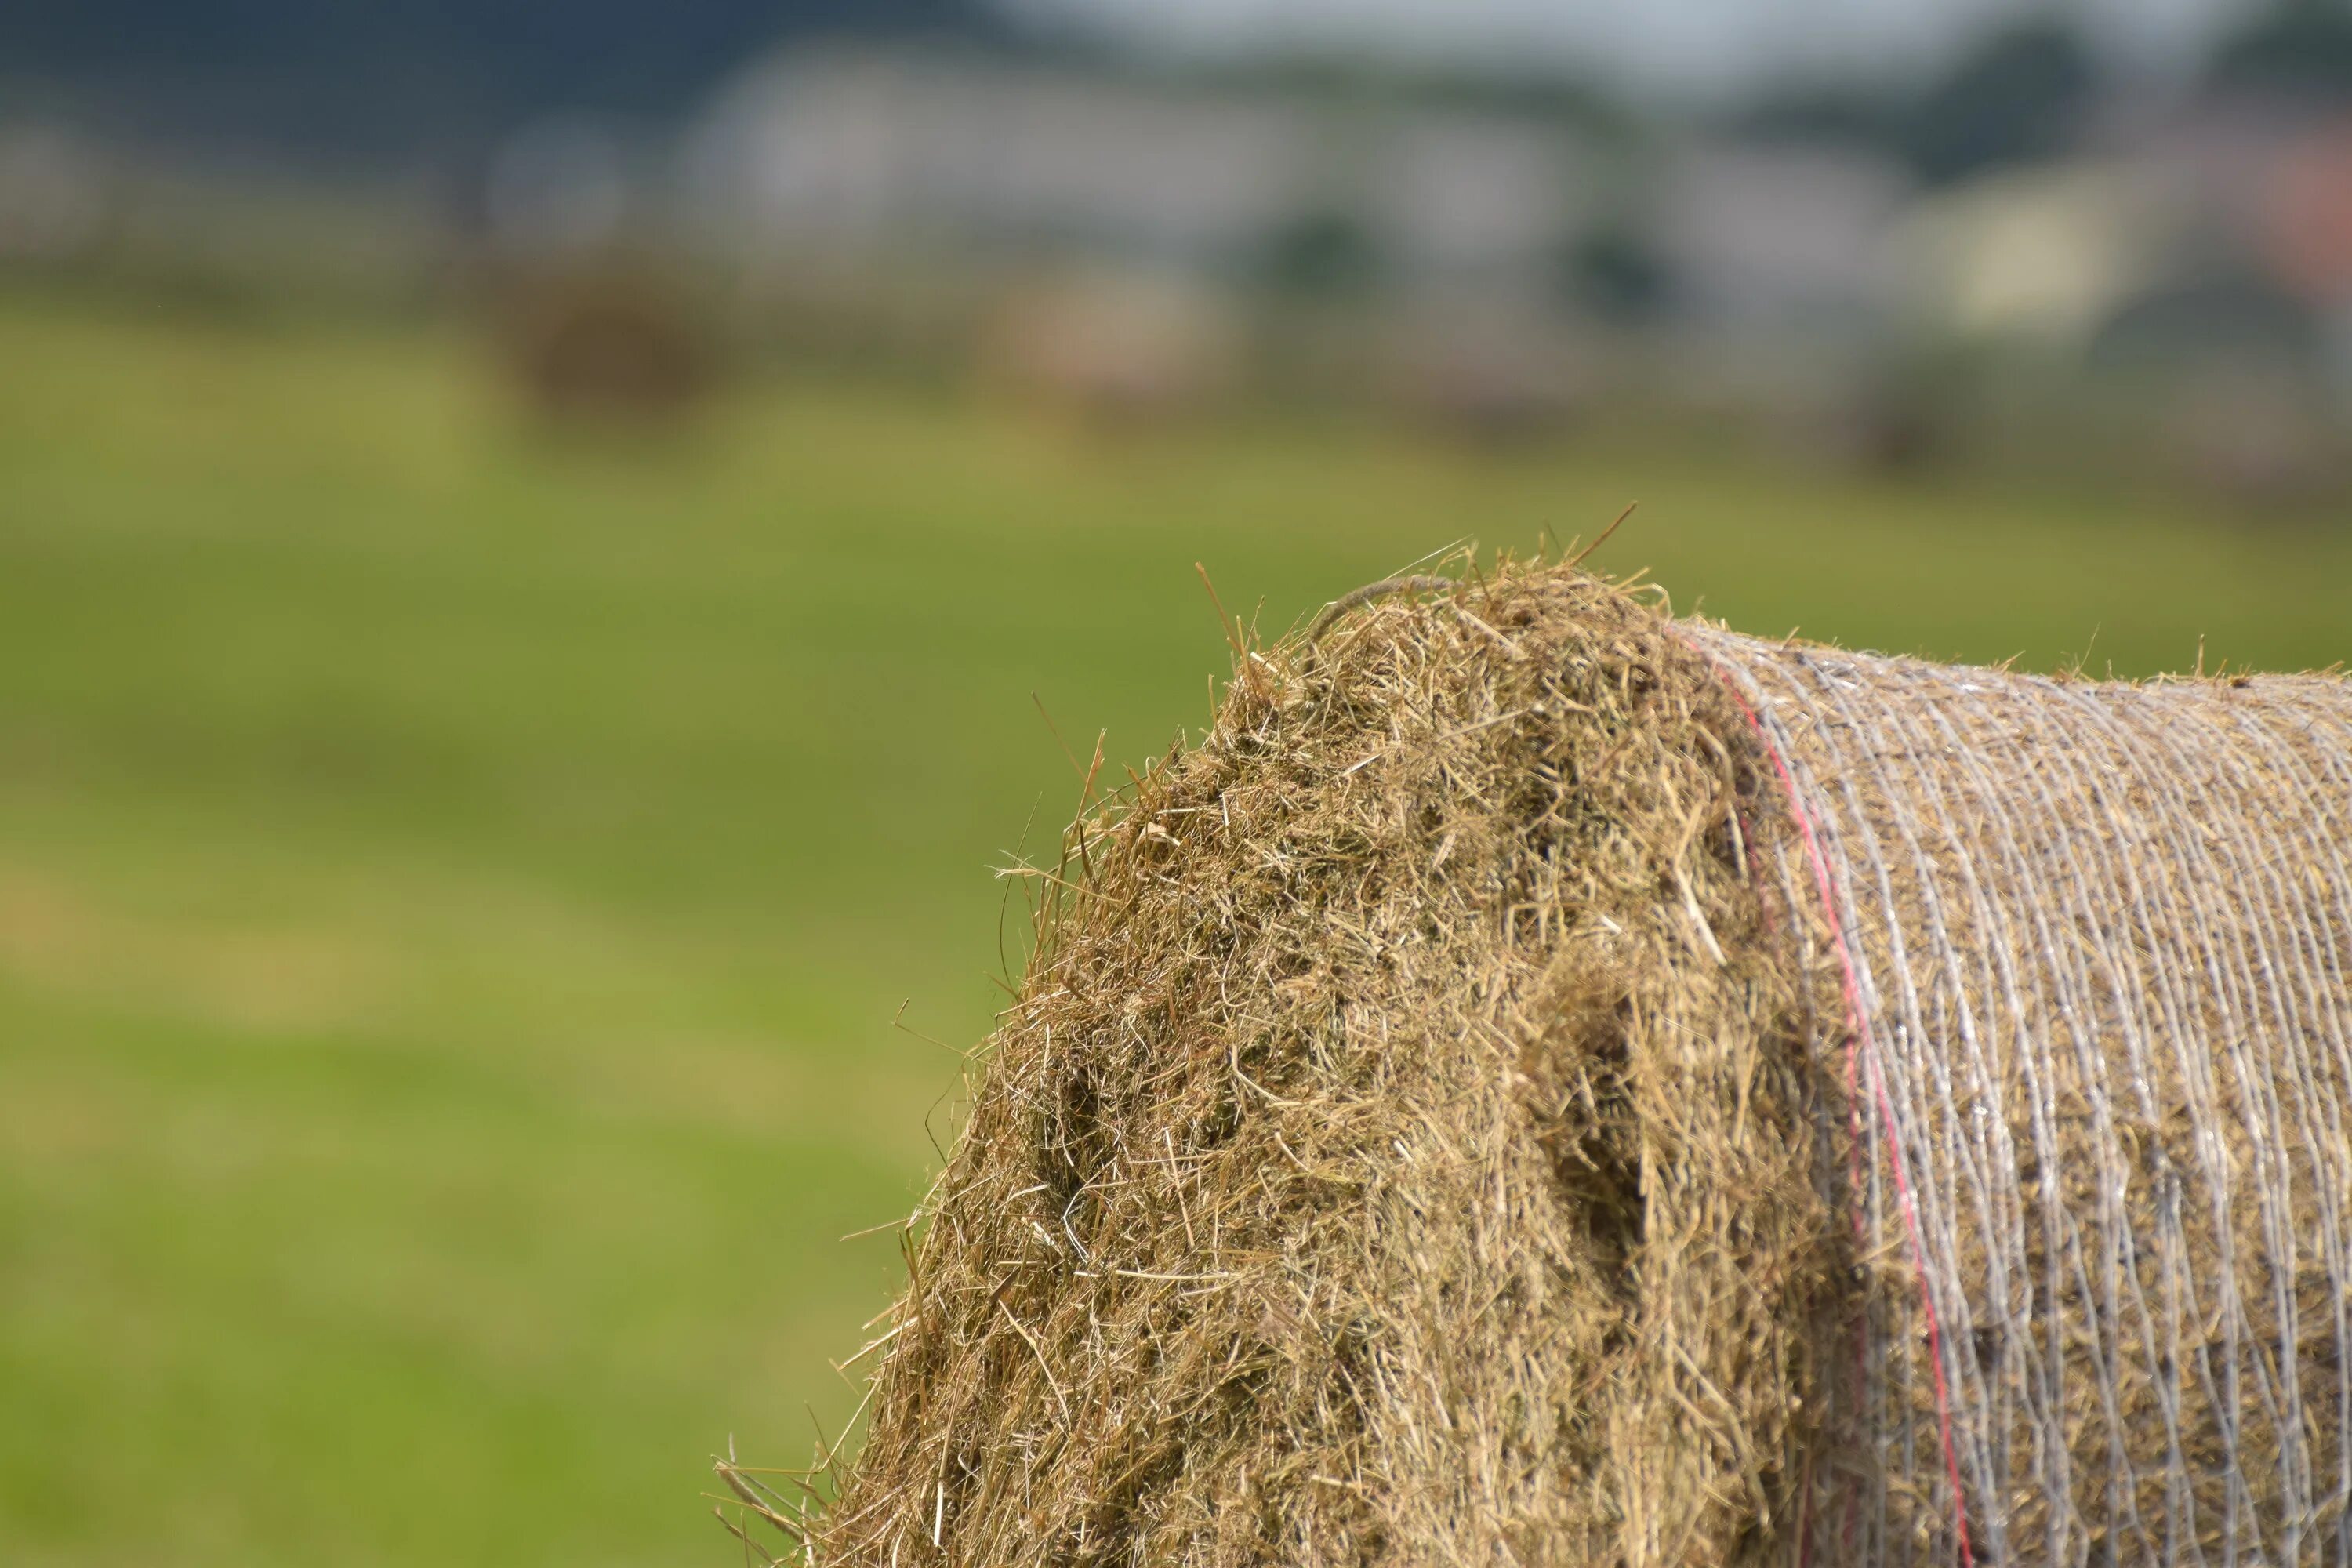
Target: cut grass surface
x=455 y=885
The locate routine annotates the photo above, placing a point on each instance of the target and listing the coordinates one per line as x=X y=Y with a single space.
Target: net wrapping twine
x=1544 y=1082
x=2101 y=999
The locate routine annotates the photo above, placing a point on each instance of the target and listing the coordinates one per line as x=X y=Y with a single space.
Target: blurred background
x=537 y=541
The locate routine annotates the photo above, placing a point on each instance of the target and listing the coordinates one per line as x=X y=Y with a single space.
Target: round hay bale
x=1544 y=1082
x=1108 y=351
x=603 y=344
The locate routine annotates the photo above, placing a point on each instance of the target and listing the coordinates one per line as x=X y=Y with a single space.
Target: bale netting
x=1546 y=1082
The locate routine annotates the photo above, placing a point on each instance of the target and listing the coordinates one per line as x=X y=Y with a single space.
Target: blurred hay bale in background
x=603 y=342
x=1110 y=350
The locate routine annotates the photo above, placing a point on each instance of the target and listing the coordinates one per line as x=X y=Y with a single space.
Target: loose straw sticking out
x=1359 y=597
x=1563 y=1086
x=1619 y=522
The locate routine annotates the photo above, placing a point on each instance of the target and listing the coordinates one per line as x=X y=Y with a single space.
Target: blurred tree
x=313 y=75
x=2014 y=98
x=1547 y=90
x=1821 y=111
x=1614 y=272
x=1323 y=251
x=2301 y=48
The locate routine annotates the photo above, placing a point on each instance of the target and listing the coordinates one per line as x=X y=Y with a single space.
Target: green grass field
x=455 y=887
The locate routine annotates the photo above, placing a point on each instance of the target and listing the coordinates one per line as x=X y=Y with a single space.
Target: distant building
x=862 y=151
x=53 y=194
x=2304 y=225
x=906 y=152
x=2041 y=256
x=1460 y=198
x=2207 y=234
x=1780 y=238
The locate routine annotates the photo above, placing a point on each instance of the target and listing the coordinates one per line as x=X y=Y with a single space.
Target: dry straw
x=1543 y=1082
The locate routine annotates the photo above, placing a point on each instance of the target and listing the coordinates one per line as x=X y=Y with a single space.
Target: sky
x=1694 y=47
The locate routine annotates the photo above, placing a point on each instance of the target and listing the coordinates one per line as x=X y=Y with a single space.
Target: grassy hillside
x=455 y=887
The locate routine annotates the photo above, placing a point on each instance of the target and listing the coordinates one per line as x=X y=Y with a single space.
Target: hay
x=1545 y=1083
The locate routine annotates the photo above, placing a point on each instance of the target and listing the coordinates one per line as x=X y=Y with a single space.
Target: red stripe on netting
x=1859 y=1048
